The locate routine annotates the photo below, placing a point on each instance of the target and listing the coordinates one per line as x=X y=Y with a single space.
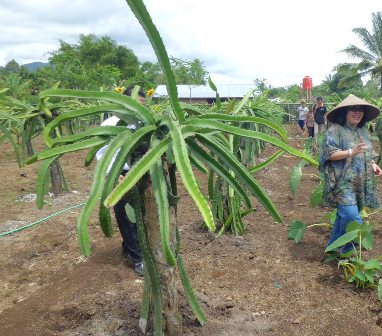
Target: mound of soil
x=260 y=283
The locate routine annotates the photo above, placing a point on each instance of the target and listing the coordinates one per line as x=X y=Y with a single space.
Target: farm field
x=258 y=284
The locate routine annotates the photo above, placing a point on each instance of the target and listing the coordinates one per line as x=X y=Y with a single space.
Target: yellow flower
x=150 y=92
x=120 y=89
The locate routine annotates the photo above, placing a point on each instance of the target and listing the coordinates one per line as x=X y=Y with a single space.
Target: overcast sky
x=238 y=41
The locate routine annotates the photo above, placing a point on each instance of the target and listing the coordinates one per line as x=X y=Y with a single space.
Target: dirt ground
x=257 y=284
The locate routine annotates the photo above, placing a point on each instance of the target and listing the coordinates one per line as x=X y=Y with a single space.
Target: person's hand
x=376 y=169
x=359 y=148
x=120 y=178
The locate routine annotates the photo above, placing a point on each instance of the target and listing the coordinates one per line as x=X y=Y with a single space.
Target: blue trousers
x=345 y=215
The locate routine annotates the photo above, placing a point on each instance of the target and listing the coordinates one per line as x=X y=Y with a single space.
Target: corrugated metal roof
x=204 y=91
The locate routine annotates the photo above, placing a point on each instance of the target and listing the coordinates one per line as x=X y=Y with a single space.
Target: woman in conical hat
x=347 y=164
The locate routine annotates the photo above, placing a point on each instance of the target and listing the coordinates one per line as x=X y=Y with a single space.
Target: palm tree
x=371 y=56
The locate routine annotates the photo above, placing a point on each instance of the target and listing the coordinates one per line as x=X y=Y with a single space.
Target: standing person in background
x=347 y=164
x=309 y=123
x=320 y=115
x=302 y=111
x=130 y=243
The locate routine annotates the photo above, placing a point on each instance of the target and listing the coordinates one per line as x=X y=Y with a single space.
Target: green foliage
x=360 y=272
x=12 y=66
x=346 y=80
x=355 y=233
x=42 y=180
x=356 y=270
x=245 y=144
x=189 y=292
x=175 y=137
x=370 y=57
x=78 y=75
x=212 y=85
x=151 y=271
x=189 y=72
x=378 y=130
x=7 y=135
x=161 y=195
x=316 y=195
x=296 y=230
x=18 y=86
x=95 y=63
x=296 y=174
x=288 y=94
x=20 y=121
x=91 y=51
x=295 y=178
x=344 y=239
x=265 y=163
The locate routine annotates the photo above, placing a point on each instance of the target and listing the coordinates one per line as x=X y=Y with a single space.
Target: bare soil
x=258 y=284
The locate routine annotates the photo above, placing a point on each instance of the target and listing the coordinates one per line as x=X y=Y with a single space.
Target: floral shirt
x=309 y=119
x=349 y=181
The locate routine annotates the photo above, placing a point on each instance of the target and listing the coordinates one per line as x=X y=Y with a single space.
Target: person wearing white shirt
x=302 y=111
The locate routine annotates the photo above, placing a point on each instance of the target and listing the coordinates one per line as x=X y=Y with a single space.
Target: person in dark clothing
x=130 y=243
x=320 y=115
x=131 y=249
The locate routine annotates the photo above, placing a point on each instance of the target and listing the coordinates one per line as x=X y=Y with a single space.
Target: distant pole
x=190 y=92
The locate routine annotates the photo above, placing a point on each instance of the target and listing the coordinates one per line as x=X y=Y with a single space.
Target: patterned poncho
x=349 y=181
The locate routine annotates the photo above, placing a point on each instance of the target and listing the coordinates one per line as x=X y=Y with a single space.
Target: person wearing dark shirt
x=320 y=115
x=130 y=244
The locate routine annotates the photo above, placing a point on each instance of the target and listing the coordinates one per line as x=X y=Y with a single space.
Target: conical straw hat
x=371 y=111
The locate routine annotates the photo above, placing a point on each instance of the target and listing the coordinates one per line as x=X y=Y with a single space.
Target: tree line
x=100 y=63
x=95 y=63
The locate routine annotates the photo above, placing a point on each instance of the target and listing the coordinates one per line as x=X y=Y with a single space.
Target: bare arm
x=358 y=148
x=343 y=154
